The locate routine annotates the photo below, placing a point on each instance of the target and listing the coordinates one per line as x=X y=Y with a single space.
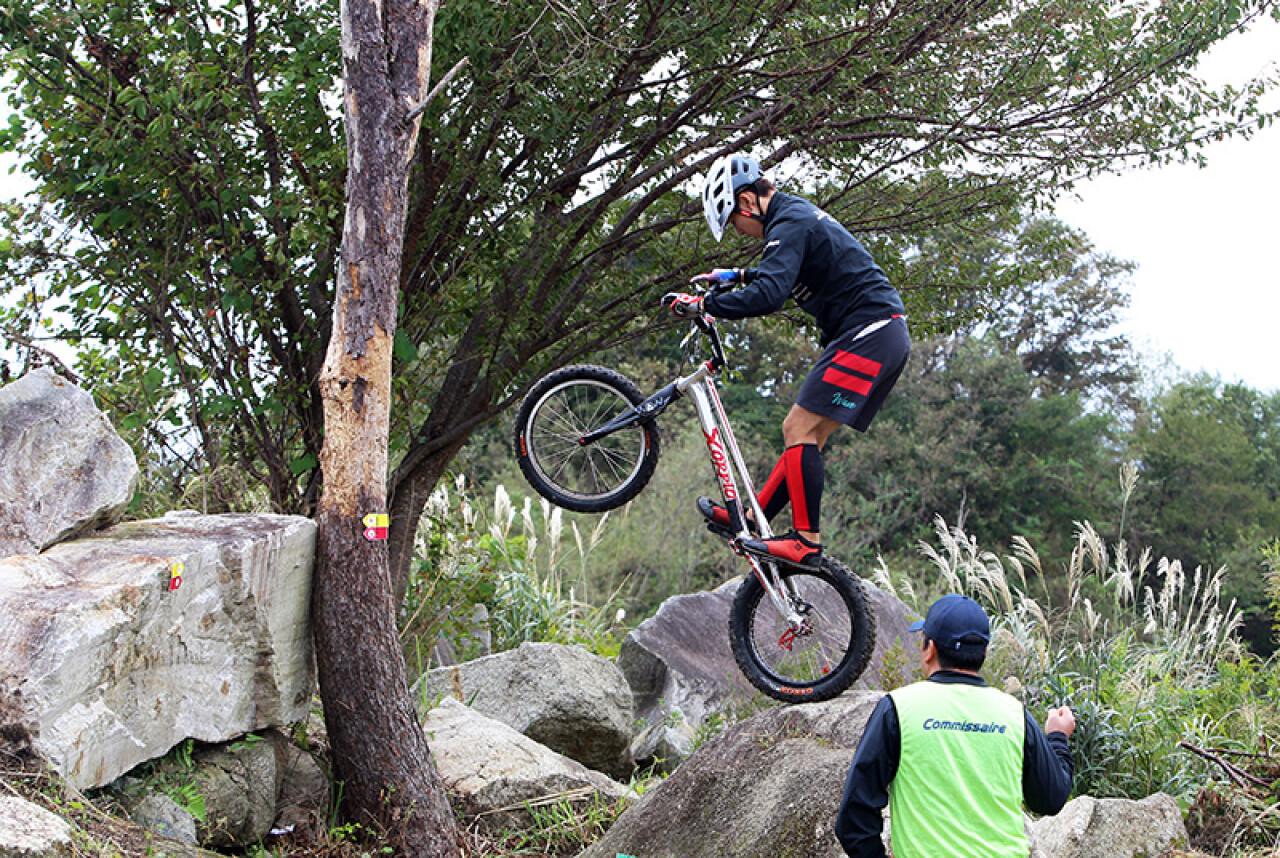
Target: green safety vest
x=958 y=790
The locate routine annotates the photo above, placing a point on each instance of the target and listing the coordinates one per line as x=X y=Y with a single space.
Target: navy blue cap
x=952 y=618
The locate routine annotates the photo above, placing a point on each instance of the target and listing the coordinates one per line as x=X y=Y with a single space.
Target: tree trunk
x=380 y=754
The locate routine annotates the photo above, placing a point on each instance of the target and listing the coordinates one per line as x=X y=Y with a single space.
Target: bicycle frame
x=726 y=459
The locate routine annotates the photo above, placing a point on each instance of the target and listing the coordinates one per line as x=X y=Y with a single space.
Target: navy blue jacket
x=1047 y=770
x=812 y=258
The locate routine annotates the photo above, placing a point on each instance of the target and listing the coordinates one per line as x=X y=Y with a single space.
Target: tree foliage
x=196 y=173
x=192 y=151
x=1210 y=492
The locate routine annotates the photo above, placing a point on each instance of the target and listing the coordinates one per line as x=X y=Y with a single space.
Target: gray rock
x=1111 y=828
x=304 y=789
x=679 y=665
x=27 y=830
x=63 y=470
x=681 y=669
x=495 y=770
x=240 y=783
x=576 y=703
x=769 y=785
x=103 y=666
x=663 y=745
x=163 y=815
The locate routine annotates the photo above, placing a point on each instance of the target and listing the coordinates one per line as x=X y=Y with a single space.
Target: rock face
x=103 y=664
x=495 y=769
x=1111 y=828
x=29 y=831
x=769 y=786
x=575 y=703
x=63 y=469
x=681 y=669
x=239 y=785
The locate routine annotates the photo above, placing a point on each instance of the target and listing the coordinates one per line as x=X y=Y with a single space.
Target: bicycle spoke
x=563 y=418
x=810 y=652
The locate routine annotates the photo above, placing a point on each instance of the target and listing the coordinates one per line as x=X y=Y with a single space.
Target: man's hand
x=1061 y=720
x=718 y=275
x=683 y=306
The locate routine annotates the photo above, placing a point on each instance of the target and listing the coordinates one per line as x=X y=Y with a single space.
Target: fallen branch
x=1238 y=776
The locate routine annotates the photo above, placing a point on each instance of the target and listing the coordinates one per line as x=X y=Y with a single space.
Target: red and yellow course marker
x=375 y=526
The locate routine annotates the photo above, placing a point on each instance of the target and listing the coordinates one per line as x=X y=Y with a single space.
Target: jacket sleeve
x=769 y=286
x=1047 y=769
x=866 y=789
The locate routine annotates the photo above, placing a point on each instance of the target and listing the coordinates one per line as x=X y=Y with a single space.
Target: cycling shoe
x=791 y=548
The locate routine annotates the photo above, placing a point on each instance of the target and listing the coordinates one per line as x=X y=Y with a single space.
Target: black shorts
x=856 y=372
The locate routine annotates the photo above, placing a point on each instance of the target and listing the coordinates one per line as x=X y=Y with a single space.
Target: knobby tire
x=816 y=666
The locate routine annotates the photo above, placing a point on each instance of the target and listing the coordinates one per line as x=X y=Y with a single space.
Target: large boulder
x=104 y=663
x=63 y=469
x=1091 y=827
x=574 y=702
x=681 y=669
x=497 y=771
x=769 y=785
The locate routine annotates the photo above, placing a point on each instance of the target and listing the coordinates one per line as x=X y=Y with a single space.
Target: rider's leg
x=798 y=476
x=805 y=434
x=800 y=471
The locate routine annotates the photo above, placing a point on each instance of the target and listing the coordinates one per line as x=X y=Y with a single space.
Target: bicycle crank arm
x=647 y=410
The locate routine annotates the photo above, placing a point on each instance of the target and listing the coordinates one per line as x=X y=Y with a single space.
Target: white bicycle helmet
x=727 y=176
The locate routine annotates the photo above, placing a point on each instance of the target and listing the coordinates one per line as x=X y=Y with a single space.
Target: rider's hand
x=684 y=306
x=719 y=275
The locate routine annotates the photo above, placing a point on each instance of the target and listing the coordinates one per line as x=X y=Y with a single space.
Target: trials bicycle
x=587 y=440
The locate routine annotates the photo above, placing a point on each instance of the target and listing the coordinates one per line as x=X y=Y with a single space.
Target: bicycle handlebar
x=703 y=322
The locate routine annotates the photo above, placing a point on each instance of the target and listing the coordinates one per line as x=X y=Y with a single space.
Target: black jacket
x=1047 y=770
x=810 y=257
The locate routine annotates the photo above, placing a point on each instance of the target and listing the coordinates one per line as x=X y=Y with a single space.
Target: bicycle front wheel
x=560 y=410
x=824 y=655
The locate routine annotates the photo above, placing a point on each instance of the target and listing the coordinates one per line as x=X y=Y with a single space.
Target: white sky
x=1207 y=241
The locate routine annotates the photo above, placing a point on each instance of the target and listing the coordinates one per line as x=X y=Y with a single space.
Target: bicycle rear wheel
x=561 y=409
x=821 y=659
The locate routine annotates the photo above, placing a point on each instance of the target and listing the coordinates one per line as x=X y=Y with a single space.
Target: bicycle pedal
x=722 y=532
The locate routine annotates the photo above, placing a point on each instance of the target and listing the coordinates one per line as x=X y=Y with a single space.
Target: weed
x=502 y=578
x=1145 y=652
x=560 y=825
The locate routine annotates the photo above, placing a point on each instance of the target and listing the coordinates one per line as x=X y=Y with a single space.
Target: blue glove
x=719 y=275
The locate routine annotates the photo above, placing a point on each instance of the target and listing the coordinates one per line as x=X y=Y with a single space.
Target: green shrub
x=524 y=566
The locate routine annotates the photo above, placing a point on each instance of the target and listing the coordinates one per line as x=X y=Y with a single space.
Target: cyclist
x=810 y=257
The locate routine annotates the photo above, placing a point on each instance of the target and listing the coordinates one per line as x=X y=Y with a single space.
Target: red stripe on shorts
x=831 y=375
x=849 y=360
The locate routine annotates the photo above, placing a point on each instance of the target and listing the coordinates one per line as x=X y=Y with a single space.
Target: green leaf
x=303 y=464
x=404 y=348
x=152 y=379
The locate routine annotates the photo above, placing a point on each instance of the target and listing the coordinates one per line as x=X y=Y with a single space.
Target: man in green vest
x=954 y=759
